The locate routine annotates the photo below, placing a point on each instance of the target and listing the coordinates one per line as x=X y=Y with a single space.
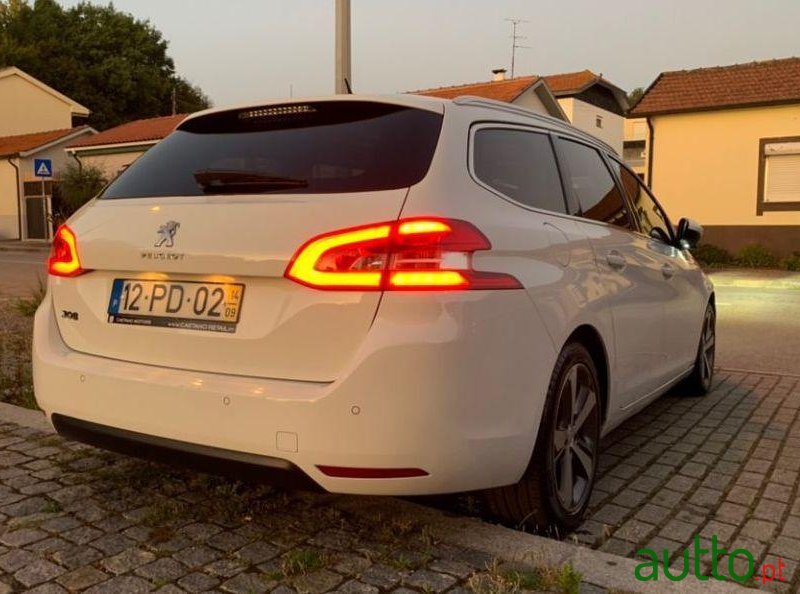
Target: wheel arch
x=589 y=337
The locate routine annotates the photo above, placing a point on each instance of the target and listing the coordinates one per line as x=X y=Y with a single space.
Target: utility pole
x=343 y=76
x=514 y=39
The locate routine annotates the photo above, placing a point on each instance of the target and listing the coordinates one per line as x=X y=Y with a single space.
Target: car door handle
x=668 y=271
x=615 y=260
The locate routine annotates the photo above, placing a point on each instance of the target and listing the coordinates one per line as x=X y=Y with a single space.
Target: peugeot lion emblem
x=166 y=234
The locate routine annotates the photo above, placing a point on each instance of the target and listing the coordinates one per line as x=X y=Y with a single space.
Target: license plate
x=213 y=307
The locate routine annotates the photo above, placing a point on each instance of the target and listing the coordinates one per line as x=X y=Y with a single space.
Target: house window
x=598 y=121
x=779 y=174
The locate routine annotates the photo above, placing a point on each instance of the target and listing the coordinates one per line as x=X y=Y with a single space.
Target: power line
x=514 y=39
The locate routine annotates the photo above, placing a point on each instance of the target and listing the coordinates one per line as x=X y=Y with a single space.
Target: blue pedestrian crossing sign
x=43 y=167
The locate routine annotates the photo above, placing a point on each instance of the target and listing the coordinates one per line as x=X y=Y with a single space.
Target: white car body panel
x=452 y=382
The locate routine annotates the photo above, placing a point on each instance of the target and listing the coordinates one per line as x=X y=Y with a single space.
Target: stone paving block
x=742 y=495
x=778 y=492
x=128 y=584
x=678 y=531
x=82 y=578
x=198 y=582
x=38 y=572
x=357 y=587
x=197 y=556
x=430 y=581
x=254 y=583
x=786 y=547
x=760 y=530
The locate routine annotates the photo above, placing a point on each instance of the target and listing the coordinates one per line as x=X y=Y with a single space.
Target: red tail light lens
x=410 y=254
x=64 y=259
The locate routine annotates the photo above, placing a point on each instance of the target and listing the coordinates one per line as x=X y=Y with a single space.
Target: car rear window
x=322 y=147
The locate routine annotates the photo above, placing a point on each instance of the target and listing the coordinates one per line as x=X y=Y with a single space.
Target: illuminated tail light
x=64 y=259
x=410 y=254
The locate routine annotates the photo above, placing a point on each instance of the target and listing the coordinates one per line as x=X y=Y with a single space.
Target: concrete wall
x=583 y=115
x=705 y=166
x=9 y=212
x=25 y=108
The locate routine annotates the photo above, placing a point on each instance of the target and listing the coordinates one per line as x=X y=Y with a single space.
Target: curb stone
x=597 y=568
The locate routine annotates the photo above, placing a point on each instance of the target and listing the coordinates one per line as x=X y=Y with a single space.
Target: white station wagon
x=382 y=295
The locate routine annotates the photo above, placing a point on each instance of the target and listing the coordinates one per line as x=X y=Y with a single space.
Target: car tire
x=553 y=494
x=701 y=378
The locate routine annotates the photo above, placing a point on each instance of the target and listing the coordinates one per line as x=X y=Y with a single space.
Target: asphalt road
x=758 y=312
x=20 y=272
x=758 y=321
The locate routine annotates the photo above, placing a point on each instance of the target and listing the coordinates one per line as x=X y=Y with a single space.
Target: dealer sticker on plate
x=212 y=307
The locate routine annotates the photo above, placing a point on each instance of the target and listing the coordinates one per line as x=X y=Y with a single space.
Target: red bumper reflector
x=371 y=473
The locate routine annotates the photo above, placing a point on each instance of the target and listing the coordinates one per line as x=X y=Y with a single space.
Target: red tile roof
x=741 y=85
x=13 y=145
x=570 y=82
x=136 y=131
x=501 y=90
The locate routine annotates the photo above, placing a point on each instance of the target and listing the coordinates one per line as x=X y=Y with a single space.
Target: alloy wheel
x=575 y=437
x=708 y=348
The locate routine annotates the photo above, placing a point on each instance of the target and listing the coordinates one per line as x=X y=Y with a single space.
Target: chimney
x=499 y=74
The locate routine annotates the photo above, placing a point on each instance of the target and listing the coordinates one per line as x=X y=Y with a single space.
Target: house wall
x=110 y=163
x=583 y=116
x=635 y=143
x=705 y=166
x=25 y=108
x=530 y=100
x=9 y=211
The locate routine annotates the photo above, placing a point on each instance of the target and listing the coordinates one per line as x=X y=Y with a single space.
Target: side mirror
x=689 y=233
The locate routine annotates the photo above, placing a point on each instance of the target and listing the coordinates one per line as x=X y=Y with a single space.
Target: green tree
x=635 y=95
x=114 y=64
x=77 y=186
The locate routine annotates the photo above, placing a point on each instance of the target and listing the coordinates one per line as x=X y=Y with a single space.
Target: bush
x=712 y=256
x=792 y=262
x=77 y=186
x=756 y=256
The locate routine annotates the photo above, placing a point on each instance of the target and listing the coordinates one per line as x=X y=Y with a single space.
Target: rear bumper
x=239 y=465
x=451 y=383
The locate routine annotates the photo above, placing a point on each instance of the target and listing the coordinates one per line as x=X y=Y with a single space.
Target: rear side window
x=520 y=165
x=598 y=196
x=324 y=147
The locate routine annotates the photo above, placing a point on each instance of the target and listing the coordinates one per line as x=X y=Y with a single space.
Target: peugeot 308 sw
x=384 y=295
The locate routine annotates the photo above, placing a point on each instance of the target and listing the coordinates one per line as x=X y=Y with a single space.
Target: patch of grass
x=500 y=579
x=564 y=580
x=52 y=507
x=301 y=561
x=27 y=306
x=164 y=513
x=16 y=379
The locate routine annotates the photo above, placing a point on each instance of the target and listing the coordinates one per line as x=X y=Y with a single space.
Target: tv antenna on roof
x=514 y=39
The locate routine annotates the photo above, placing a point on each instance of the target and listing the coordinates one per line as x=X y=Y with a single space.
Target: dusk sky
x=246 y=50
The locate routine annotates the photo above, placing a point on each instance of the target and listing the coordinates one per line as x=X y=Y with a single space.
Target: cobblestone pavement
x=73 y=518
x=724 y=465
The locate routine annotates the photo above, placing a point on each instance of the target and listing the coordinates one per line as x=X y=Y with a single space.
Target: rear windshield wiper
x=225 y=181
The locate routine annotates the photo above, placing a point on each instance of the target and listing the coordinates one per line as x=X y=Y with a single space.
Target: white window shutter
x=782 y=178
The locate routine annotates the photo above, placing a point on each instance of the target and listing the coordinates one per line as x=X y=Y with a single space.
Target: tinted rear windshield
x=325 y=147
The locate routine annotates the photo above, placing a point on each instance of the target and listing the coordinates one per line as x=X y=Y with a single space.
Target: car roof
x=433 y=104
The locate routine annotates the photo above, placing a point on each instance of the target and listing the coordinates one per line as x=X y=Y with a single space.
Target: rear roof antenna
x=347 y=86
